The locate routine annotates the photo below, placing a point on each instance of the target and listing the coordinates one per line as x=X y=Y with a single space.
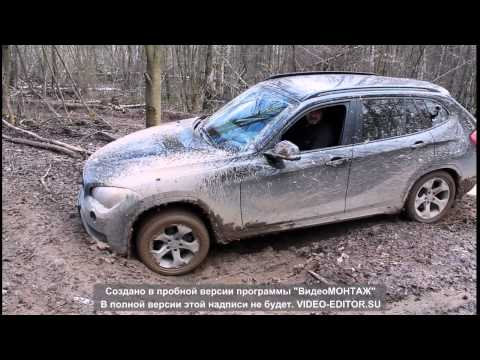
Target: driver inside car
x=319 y=132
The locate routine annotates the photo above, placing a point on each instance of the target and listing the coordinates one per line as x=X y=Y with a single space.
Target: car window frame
x=358 y=111
x=347 y=131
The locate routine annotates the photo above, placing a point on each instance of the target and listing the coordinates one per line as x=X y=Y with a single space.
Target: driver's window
x=319 y=128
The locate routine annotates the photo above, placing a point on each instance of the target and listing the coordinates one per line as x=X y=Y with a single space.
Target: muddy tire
x=431 y=197
x=173 y=242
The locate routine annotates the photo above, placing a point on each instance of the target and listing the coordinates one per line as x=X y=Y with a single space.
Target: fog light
x=93 y=216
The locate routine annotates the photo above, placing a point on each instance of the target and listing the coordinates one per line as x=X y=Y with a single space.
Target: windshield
x=238 y=123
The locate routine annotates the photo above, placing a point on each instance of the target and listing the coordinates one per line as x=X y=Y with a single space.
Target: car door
x=309 y=188
x=392 y=147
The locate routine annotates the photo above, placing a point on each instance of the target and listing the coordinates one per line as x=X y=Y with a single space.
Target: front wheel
x=173 y=242
x=431 y=197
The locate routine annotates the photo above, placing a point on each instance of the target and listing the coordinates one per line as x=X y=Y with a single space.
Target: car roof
x=303 y=86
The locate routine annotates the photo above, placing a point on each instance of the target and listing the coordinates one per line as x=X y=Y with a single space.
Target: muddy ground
x=49 y=264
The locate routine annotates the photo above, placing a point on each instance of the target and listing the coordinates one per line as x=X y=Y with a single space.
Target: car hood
x=148 y=153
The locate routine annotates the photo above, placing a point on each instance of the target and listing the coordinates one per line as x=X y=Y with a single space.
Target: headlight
x=109 y=196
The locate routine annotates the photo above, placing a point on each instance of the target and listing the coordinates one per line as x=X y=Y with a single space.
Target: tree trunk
x=153 y=85
x=129 y=67
x=372 y=58
x=13 y=69
x=54 y=66
x=166 y=76
x=440 y=66
x=91 y=68
x=44 y=70
x=6 y=107
x=207 y=77
x=461 y=93
x=293 y=59
x=243 y=61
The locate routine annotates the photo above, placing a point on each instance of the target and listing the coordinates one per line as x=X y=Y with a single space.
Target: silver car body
x=240 y=194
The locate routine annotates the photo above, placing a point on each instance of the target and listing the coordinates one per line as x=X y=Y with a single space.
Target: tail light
x=473 y=137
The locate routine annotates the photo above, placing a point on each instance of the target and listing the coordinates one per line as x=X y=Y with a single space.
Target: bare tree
x=6 y=106
x=153 y=85
x=293 y=59
x=201 y=78
x=54 y=65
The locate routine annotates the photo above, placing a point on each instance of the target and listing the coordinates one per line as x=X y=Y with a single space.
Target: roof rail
x=318 y=73
x=369 y=88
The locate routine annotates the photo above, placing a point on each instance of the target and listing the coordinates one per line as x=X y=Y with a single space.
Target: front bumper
x=111 y=226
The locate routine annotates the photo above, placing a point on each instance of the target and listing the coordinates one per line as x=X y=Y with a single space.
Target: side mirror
x=284 y=150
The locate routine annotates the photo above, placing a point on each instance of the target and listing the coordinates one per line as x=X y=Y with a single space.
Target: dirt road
x=50 y=265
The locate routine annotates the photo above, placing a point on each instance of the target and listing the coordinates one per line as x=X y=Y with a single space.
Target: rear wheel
x=431 y=197
x=173 y=242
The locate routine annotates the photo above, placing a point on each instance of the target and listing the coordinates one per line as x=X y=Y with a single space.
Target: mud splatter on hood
x=148 y=152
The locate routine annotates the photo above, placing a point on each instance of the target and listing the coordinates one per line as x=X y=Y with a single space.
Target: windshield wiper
x=198 y=121
x=204 y=134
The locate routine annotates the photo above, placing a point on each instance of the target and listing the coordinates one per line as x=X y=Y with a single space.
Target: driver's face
x=314 y=117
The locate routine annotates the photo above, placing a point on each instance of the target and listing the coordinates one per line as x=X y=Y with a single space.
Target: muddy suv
x=293 y=151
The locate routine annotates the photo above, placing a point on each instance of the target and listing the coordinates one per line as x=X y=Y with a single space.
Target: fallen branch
x=119 y=108
x=92 y=104
x=320 y=278
x=133 y=106
x=72 y=105
x=106 y=135
x=43 y=145
x=55 y=142
x=42 y=179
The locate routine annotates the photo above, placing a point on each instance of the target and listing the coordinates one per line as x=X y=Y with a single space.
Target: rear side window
x=382 y=118
x=391 y=117
x=417 y=116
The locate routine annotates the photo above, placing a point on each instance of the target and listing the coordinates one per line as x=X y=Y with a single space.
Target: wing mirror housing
x=284 y=150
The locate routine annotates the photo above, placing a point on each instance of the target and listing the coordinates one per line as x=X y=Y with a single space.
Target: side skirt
x=352 y=215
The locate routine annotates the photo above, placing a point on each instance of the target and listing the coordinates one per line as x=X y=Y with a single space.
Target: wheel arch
x=450 y=169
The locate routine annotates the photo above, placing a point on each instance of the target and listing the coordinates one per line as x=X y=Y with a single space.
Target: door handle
x=418 y=144
x=335 y=161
